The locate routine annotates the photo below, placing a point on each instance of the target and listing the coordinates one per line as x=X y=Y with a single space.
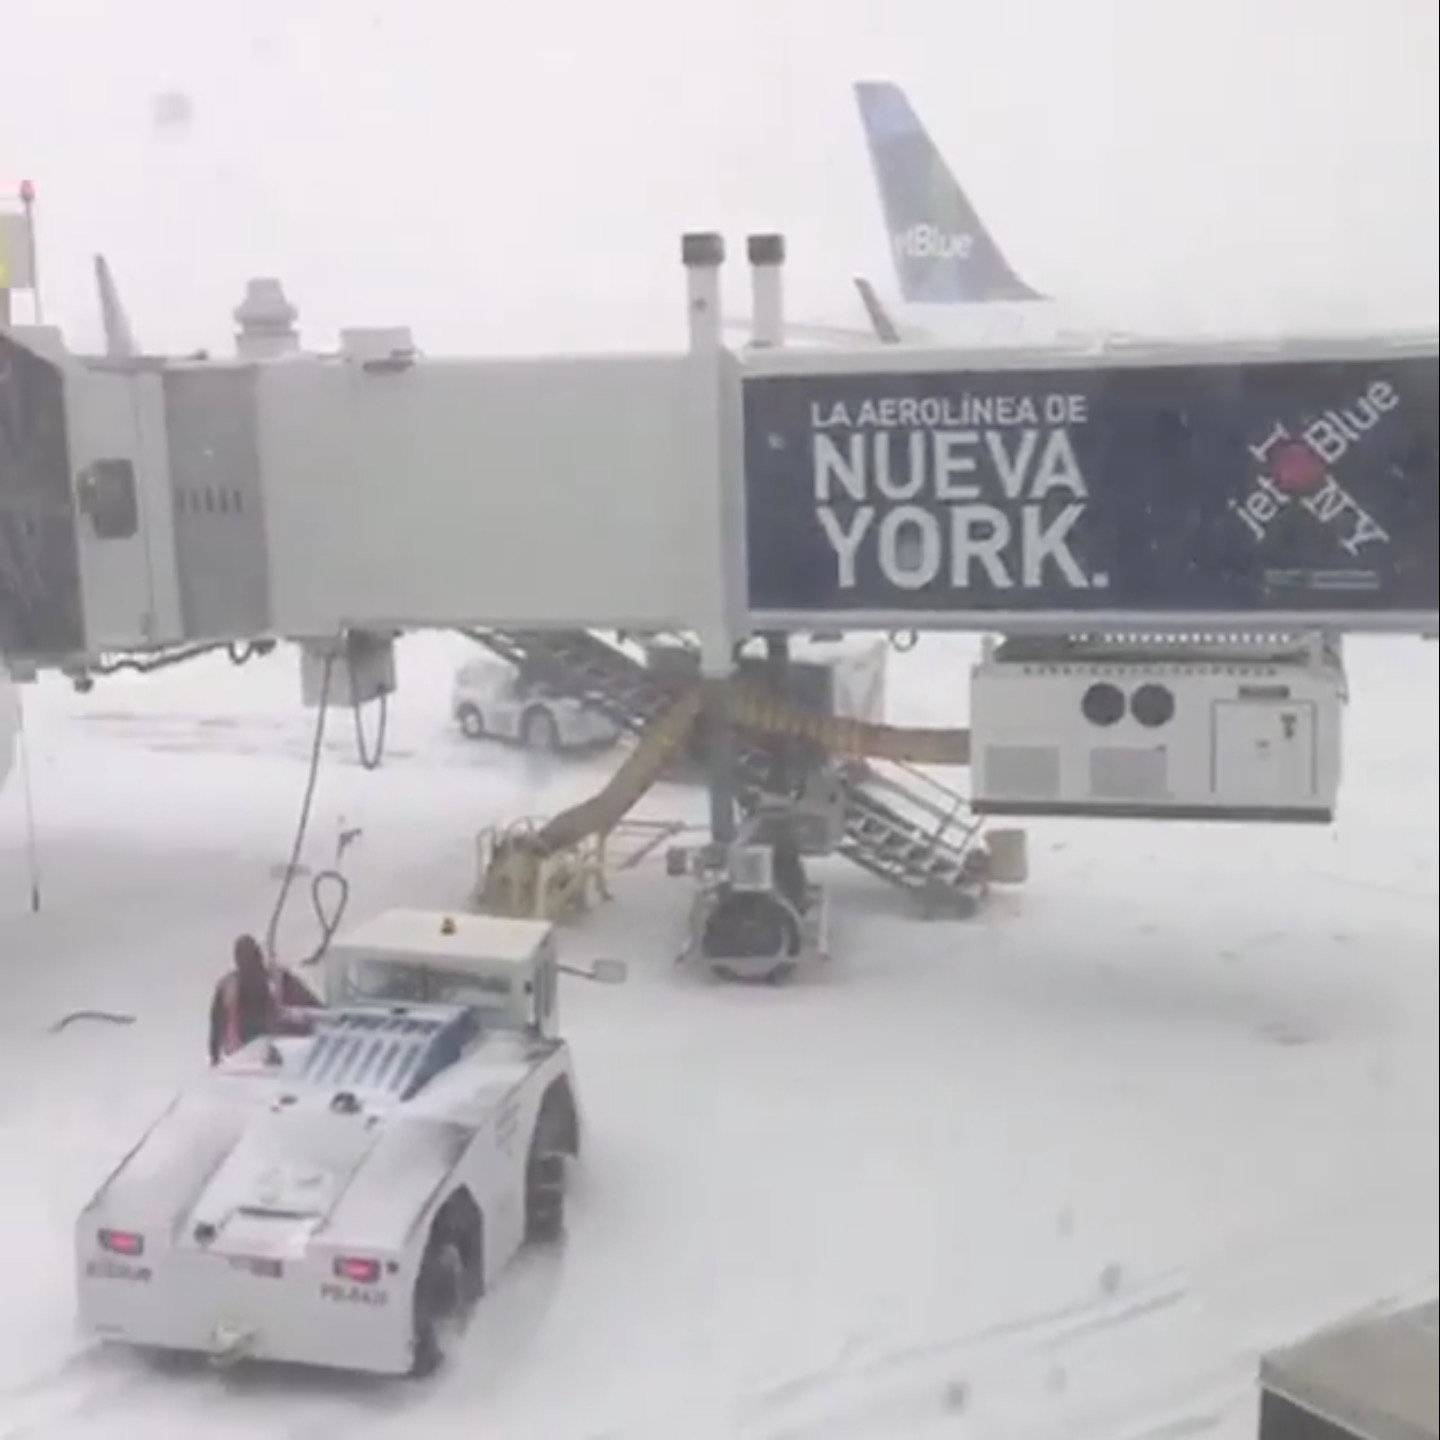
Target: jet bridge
x=152 y=505
x=149 y=502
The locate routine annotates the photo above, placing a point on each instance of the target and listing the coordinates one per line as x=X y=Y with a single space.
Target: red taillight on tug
x=122 y=1242
x=357 y=1270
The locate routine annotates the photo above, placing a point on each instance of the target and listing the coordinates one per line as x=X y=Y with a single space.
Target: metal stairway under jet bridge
x=915 y=834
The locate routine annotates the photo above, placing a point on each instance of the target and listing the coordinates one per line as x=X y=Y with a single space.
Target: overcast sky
x=512 y=176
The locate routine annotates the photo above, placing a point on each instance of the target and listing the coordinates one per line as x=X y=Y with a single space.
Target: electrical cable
x=316 y=747
x=329 y=921
x=112 y=1017
x=148 y=666
x=239 y=652
x=371 y=759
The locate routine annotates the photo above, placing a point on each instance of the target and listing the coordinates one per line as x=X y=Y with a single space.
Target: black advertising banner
x=1164 y=490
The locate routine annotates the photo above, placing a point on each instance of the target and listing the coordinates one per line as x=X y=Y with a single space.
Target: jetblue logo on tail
x=942 y=252
x=930 y=242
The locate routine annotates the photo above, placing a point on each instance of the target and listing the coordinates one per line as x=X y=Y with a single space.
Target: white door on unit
x=1264 y=752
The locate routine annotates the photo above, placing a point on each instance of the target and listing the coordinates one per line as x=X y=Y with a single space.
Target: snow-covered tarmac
x=1062 y=1171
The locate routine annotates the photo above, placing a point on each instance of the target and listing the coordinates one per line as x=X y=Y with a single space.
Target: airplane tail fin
x=943 y=253
x=119 y=338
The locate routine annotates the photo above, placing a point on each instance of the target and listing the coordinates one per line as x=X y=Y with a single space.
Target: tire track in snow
x=103 y=1393
x=248 y=736
x=67 y=1392
x=1049 y=1327
x=1117 y=1368
x=930 y=1369
x=1205 y=1423
x=1028 y=1397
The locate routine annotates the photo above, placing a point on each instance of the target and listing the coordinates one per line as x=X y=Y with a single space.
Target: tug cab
x=507 y=969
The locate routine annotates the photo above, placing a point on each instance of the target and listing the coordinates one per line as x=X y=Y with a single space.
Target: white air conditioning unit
x=1158 y=727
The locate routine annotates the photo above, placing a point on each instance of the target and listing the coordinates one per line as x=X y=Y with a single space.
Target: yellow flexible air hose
x=755 y=710
x=761 y=713
x=605 y=809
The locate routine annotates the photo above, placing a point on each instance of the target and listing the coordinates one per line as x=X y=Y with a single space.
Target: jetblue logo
x=1298 y=469
x=930 y=242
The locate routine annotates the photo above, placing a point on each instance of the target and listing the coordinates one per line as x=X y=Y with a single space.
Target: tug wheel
x=555 y=1139
x=439 y=1304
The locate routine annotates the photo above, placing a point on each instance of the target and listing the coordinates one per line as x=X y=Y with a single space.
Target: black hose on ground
x=112 y=1017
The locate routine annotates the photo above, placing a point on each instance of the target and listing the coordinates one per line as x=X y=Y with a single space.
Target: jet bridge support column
x=777 y=676
x=720 y=749
x=703 y=253
x=766 y=254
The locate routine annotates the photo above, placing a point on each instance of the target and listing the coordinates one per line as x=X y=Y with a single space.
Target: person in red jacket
x=251 y=999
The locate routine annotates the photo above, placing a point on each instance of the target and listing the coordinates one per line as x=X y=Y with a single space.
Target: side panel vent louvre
x=1022 y=772
x=1126 y=773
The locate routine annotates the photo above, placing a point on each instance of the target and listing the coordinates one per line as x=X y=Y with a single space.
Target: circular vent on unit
x=1102 y=704
x=1153 y=705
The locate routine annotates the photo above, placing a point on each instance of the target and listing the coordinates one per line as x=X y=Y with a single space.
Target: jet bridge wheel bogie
x=751 y=926
x=776 y=975
x=451 y=1279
